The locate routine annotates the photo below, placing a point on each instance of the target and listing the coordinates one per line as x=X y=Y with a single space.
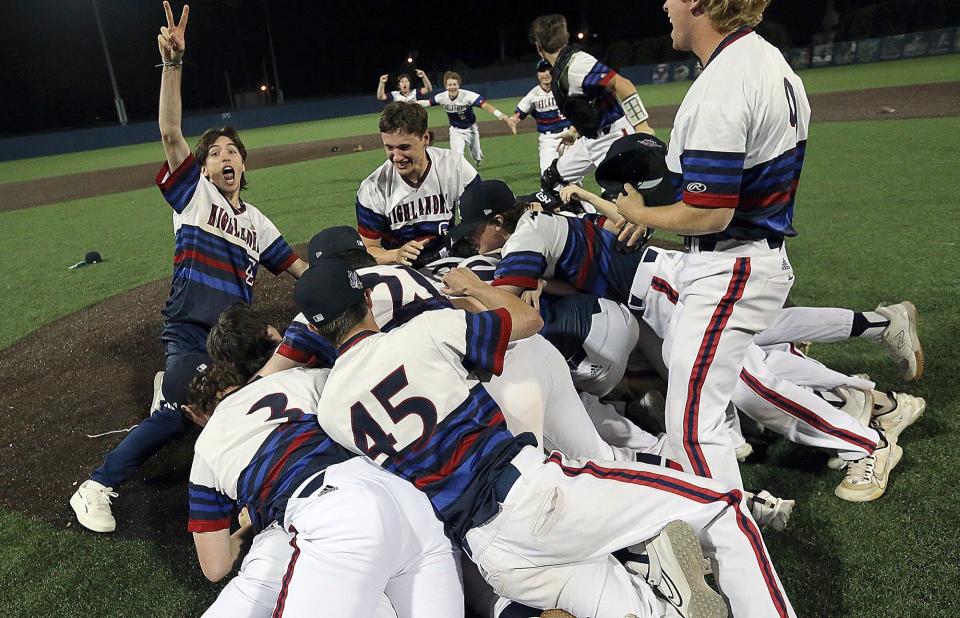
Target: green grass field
x=874 y=226
x=895 y=73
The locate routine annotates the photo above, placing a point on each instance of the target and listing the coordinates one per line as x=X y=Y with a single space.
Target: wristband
x=634 y=110
x=498 y=114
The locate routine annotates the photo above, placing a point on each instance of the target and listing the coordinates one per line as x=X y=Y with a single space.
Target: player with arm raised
x=405 y=207
x=459 y=104
x=602 y=104
x=221 y=241
x=541 y=105
x=403 y=92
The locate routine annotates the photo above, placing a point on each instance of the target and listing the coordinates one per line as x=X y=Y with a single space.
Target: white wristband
x=634 y=110
x=498 y=114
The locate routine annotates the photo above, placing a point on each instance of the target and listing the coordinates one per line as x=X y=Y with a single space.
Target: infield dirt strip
x=925 y=101
x=92 y=371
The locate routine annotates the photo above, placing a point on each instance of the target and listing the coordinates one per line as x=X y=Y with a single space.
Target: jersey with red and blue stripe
x=541 y=104
x=588 y=76
x=398 y=294
x=740 y=138
x=576 y=250
x=459 y=110
x=261 y=443
x=412 y=400
x=218 y=248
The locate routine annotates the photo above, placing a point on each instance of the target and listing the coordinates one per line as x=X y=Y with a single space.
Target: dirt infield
x=931 y=100
x=92 y=371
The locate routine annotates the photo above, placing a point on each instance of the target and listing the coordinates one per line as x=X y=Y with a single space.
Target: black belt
x=709 y=244
x=311 y=487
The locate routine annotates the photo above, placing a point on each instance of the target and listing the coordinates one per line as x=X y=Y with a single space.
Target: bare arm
x=624 y=89
x=172 y=47
x=219 y=551
x=297 y=268
x=382 y=88
x=606 y=208
x=278 y=363
x=404 y=255
x=678 y=218
x=525 y=319
x=510 y=120
x=427 y=87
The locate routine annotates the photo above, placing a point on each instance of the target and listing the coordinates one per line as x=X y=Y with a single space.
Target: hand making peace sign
x=171 y=38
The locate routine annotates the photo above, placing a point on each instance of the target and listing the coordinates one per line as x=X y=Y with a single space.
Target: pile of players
x=451 y=397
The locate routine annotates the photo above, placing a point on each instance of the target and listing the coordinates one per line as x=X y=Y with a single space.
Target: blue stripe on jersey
x=371 y=224
x=521 y=268
x=590 y=262
x=277 y=256
x=550 y=122
x=414 y=308
x=487 y=338
x=302 y=345
x=424 y=230
x=209 y=510
x=462 y=120
x=180 y=187
x=595 y=85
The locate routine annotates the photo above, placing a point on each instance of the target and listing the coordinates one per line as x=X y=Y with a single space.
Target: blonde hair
x=452 y=75
x=728 y=15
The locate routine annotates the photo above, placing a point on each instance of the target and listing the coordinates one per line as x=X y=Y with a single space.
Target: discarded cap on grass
x=92 y=257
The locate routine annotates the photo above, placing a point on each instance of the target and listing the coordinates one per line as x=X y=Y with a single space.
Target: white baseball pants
x=466 y=138
x=586 y=154
x=613 y=334
x=548 y=145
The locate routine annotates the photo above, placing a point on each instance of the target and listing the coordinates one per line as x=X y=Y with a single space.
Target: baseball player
x=221 y=241
x=459 y=104
x=355 y=530
x=540 y=104
x=601 y=104
x=406 y=205
x=403 y=91
x=736 y=151
x=412 y=401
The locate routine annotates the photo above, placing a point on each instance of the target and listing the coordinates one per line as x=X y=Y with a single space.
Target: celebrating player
x=602 y=104
x=459 y=104
x=540 y=104
x=221 y=241
x=406 y=205
x=403 y=91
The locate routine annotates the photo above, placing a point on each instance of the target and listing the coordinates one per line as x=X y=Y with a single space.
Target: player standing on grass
x=540 y=104
x=220 y=243
x=459 y=104
x=403 y=92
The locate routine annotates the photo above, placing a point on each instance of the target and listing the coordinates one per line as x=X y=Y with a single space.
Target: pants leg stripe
x=708 y=349
x=690 y=491
x=285 y=583
x=809 y=417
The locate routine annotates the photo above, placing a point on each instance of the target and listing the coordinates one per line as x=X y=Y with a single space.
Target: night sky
x=54 y=74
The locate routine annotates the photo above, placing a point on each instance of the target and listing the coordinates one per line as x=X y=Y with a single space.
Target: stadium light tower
x=117 y=101
x=273 y=56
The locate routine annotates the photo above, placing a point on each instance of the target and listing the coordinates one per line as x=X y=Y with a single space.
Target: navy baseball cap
x=548 y=200
x=178 y=376
x=479 y=202
x=326 y=290
x=640 y=160
x=332 y=242
x=543 y=65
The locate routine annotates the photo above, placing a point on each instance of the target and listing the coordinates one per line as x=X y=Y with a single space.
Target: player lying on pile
x=414 y=401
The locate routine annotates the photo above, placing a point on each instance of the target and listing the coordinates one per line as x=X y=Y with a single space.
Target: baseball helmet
x=640 y=160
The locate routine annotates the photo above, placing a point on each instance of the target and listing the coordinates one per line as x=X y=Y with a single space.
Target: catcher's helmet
x=640 y=160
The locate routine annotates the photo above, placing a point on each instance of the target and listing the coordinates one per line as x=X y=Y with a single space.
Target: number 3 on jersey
x=377 y=443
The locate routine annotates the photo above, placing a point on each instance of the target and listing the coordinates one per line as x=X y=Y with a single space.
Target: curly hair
x=240 y=338
x=403 y=117
x=207 y=389
x=728 y=15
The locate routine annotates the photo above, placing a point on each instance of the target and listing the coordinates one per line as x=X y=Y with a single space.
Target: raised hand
x=171 y=40
x=420 y=73
x=383 y=78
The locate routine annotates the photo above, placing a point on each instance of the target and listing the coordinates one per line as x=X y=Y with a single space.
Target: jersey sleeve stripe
x=179 y=186
x=208 y=525
x=711 y=200
x=279 y=256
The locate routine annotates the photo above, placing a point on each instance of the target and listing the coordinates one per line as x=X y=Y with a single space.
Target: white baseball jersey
x=218 y=249
x=739 y=138
x=398 y=294
x=390 y=209
x=261 y=443
x=410 y=97
x=540 y=104
x=588 y=76
x=412 y=401
x=459 y=110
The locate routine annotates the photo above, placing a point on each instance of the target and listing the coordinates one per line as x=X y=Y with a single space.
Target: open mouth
x=229 y=174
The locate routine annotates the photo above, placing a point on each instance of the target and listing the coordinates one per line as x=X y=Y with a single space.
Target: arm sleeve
x=524 y=106
x=589 y=76
x=479 y=101
x=179 y=186
x=370 y=223
x=209 y=509
x=524 y=256
x=479 y=340
x=278 y=255
x=302 y=345
x=714 y=145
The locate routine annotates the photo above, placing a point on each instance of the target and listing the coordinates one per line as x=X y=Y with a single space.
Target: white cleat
x=867 y=478
x=859 y=405
x=768 y=510
x=91 y=503
x=157 y=392
x=908 y=410
x=901 y=340
x=676 y=573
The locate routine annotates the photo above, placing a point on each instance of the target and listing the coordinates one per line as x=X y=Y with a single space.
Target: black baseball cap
x=332 y=242
x=327 y=289
x=179 y=375
x=639 y=159
x=479 y=202
x=543 y=65
x=549 y=200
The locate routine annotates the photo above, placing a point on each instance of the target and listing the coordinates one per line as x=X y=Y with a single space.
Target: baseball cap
x=326 y=290
x=638 y=159
x=479 y=202
x=333 y=241
x=543 y=65
x=549 y=200
x=177 y=377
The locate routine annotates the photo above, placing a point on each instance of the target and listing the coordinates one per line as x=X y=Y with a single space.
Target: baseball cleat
x=867 y=478
x=859 y=405
x=908 y=410
x=157 y=392
x=91 y=503
x=556 y=613
x=676 y=573
x=768 y=510
x=901 y=340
